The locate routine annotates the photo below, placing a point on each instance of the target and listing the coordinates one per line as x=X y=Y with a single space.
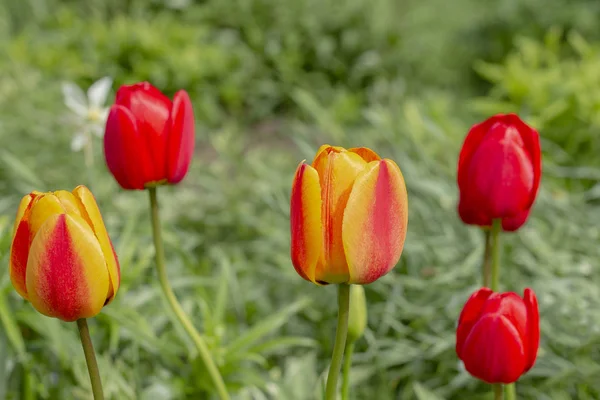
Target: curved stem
x=487 y=262
x=90 y=359
x=510 y=391
x=201 y=346
x=495 y=239
x=346 y=370
x=340 y=341
x=498 y=395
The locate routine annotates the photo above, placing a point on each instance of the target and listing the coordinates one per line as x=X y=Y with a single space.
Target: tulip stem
x=90 y=358
x=346 y=370
x=496 y=228
x=487 y=262
x=510 y=392
x=201 y=346
x=498 y=393
x=340 y=341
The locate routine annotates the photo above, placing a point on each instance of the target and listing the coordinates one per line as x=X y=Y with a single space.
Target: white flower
x=89 y=113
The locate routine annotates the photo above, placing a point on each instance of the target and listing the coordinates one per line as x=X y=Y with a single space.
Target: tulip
x=498 y=335
x=499 y=172
x=61 y=258
x=348 y=216
x=149 y=140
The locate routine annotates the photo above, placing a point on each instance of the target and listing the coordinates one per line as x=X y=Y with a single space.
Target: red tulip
x=498 y=335
x=149 y=140
x=499 y=172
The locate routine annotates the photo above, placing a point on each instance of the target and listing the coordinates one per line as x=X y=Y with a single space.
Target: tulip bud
x=498 y=335
x=148 y=139
x=499 y=172
x=357 y=319
x=61 y=258
x=348 y=216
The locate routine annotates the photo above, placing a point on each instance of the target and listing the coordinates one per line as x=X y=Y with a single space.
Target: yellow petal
x=375 y=222
x=45 y=206
x=337 y=171
x=305 y=221
x=66 y=270
x=91 y=214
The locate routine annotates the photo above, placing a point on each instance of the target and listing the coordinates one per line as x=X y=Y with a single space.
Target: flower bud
x=357 y=319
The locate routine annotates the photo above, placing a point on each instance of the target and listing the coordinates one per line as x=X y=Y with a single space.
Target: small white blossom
x=89 y=113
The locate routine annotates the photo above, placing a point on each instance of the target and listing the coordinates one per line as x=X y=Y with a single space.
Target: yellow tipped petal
x=66 y=272
x=375 y=222
x=305 y=221
x=70 y=203
x=91 y=213
x=337 y=172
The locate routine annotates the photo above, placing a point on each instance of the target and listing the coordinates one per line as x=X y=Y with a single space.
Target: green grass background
x=271 y=80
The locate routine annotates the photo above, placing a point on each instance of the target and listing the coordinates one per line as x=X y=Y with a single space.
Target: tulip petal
x=375 y=222
x=493 y=351
x=45 y=206
x=365 y=153
x=531 y=141
x=66 y=273
x=305 y=221
x=469 y=316
x=532 y=327
x=126 y=150
x=337 y=171
x=180 y=146
x=150 y=109
x=94 y=218
x=19 y=249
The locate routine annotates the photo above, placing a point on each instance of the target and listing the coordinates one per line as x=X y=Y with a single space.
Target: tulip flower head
x=348 y=215
x=499 y=172
x=498 y=335
x=61 y=258
x=149 y=139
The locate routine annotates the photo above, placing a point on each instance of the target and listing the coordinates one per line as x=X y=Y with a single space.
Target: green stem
x=90 y=359
x=495 y=239
x=346 y=370
x=498 y=394
x=510 y=391
x=175 y=306
x=487 y=261
x=340 y=341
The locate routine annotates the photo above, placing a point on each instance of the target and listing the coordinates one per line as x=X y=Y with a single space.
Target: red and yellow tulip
x=61 y=257
x=348 y=214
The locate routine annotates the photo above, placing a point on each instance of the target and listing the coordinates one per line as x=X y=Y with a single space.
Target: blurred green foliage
x=270 y=82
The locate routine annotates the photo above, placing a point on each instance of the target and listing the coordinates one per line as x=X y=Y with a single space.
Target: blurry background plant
x=270 y=82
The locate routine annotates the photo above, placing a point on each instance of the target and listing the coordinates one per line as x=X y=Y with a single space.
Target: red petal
x=532 y=329
x=469 y=316
x=125 y=150
x=151 y=110
x=180 y=144
x=493 y=351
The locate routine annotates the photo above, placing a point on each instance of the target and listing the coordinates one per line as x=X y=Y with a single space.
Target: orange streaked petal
x=325 y=149
x=375 y=222
x=93 y=216
x=365 y=153
x=19 y=249
x=305 y=221
x=337 y=172
x=66 y=272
